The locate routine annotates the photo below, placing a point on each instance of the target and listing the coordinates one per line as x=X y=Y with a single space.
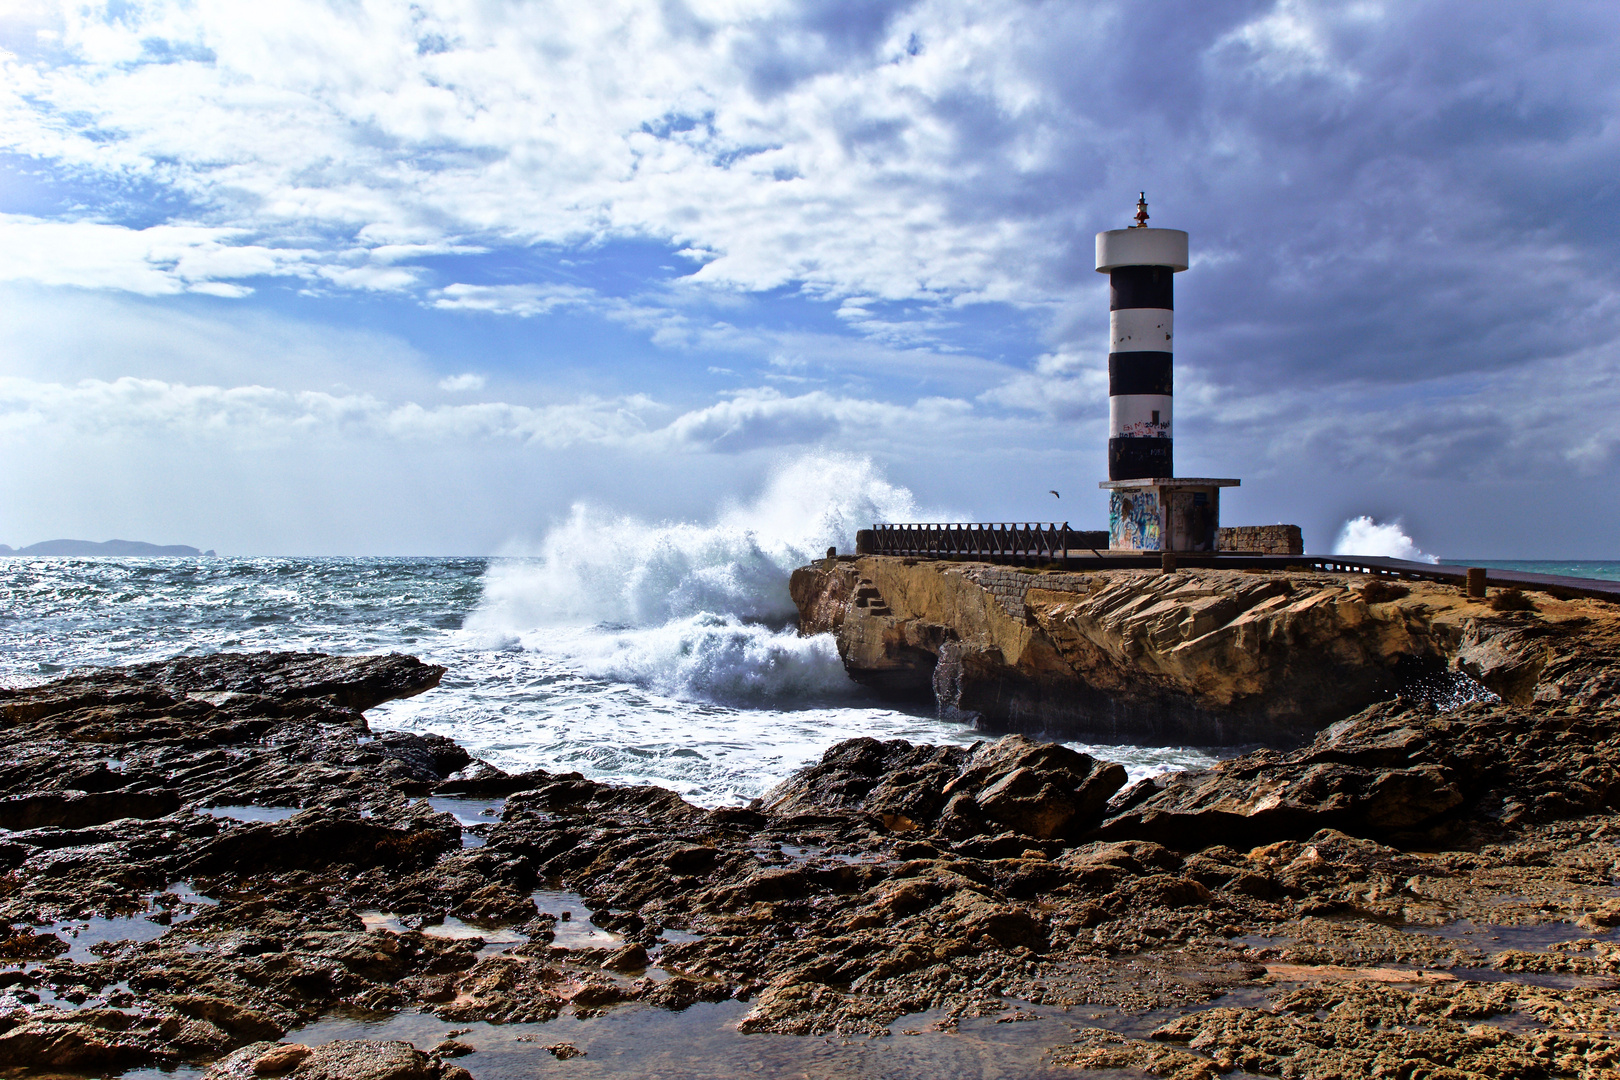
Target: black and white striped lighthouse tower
x=1149 y=510
x=1141 y=264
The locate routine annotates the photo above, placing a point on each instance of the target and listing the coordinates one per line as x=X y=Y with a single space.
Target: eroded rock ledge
x=1284 y=914
x=1201 y=656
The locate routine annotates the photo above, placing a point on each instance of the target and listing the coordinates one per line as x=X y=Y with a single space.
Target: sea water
x=631 y=651
x=1587 y=568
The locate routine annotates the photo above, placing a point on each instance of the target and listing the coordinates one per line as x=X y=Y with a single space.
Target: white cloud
x=167 y=259
x=222 y=289
x=1292 y=41
x=159 y=260
x=546 y=124
x=373 y=278
x=744 y=421
x=766 y=417
x=467 y=381
x=120 y=408
x=521 y=300
x=929 y=153
x=1404 y=264
x=1070 y=384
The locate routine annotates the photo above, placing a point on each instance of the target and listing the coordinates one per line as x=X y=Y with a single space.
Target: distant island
x=108 y=547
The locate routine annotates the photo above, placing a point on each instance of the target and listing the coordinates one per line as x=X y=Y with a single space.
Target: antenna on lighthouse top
x=1141 y=211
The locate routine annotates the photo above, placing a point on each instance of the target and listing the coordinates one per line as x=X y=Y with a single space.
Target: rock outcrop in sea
x=241 y=856
x=1208 y=657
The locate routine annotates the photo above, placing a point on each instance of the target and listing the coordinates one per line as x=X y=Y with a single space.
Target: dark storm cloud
x=1380 y=193
x=1402 y=198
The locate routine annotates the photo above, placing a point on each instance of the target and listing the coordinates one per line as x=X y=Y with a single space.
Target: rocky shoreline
x=207 y=856
x=1206 y=657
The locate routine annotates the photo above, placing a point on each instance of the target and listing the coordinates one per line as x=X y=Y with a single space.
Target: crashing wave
x=693 y=610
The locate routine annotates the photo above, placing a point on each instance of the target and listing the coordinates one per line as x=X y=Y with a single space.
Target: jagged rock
x=452 y=1048
x=1042 y=790
x=327 y=837
x=893 y=778
x=347 y=1059
x=61 y=810
x=351 y=682
x=1393 y=770
x=571 y=793
x=271 y=729
x=85 y=1039
x=428 y=758
x=886 y=880
x=25 y=943
x=1038 y=789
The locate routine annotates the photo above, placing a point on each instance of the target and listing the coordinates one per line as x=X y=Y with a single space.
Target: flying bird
x=1055 y=495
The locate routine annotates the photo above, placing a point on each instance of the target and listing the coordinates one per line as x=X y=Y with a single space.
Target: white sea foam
x=1364 y=536
x=710 y=656
x=694 y=611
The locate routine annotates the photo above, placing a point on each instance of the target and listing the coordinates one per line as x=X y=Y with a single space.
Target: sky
x=365 y=277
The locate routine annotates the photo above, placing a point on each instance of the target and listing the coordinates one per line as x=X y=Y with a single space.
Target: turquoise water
x=1601 y=570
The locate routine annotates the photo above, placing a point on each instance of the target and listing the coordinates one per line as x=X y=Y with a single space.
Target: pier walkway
x=1057 y=545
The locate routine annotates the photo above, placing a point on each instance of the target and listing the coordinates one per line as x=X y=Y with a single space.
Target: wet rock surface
x=1398 y=771
x=347 y=1059
x=208 y=858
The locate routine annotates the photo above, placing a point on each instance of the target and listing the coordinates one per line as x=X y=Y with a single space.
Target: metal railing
x=1009 y=540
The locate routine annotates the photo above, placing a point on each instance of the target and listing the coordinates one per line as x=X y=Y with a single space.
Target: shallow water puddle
x=475 y=816
x=803 y=853
x=1141 y=1025
x=1527 y=937
x=574 y=929
x=112 y=995
x=702 y=1043
x=1548 y=938
x=1557 y=939
x=82 y=935
x=1550 y=980
x=251 y=813
x=468 y=811
x=495 y=940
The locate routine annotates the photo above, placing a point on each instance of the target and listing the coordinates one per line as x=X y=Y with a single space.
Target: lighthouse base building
x=1149 y=509
x=1164 y=513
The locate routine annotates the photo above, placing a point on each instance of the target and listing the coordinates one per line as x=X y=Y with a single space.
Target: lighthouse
x=1149 y=509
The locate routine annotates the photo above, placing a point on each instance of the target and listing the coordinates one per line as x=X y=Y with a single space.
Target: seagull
x=1055 y=495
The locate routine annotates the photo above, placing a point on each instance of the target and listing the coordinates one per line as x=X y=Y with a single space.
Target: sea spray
x=711 y=657
x=1364 y=536
x=695 y=611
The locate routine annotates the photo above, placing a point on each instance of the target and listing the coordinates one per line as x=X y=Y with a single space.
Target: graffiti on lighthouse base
x=1133 y=520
